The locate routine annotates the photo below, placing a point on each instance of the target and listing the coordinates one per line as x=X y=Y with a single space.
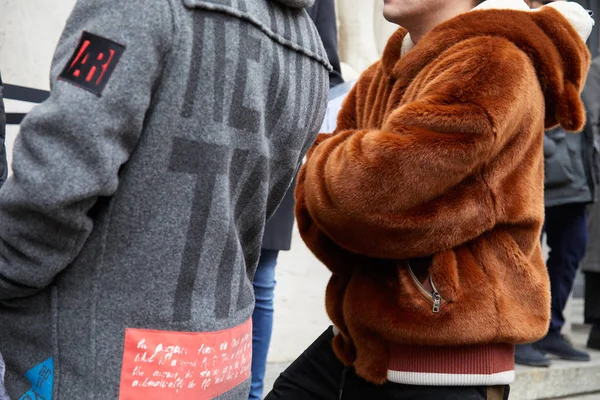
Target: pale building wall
x=363 y=33
x=29 y=32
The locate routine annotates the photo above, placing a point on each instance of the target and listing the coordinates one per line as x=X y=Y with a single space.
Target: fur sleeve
x=325 y=249
x=389 y=193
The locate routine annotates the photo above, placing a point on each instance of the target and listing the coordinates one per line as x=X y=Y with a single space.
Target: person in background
x=278 y=231
x=131 y=227
x=426 y=203
x=591 y=262
x=570 y=186
x=322 y=13
x=3 y=164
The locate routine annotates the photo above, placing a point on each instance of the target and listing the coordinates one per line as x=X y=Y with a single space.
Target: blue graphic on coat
x=41 y=377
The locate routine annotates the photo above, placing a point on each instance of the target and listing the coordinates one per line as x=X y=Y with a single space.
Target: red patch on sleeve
x=92 y=63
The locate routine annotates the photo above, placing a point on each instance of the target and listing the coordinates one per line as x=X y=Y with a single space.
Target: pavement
x=563 y=378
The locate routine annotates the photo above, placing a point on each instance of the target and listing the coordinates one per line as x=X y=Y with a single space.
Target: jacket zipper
x=433 y=297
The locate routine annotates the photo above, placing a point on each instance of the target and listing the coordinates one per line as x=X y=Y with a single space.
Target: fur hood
x=557 y=51
x=573 y=12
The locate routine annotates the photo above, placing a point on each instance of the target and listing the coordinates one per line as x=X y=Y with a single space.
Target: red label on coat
x=159 y=365
x=92 y=63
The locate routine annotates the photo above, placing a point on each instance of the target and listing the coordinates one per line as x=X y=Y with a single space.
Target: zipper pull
x=437 y=299
x=437 y=302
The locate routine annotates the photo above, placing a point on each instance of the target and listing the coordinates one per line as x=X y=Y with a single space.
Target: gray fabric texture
x=591 y=95
x=567 y=176
x=296 y=3
x=145 y=207
x=3 y=165
x=571 y=166
x=279 y=229
x=591 y=262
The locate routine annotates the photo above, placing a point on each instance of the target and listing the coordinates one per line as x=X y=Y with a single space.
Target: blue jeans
x=567 y=236
x=262 y=319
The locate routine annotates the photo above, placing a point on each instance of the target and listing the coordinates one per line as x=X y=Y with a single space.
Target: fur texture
x=439 y=153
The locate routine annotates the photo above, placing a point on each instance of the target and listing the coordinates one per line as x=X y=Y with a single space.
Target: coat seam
x=270 y=33
x=95 y=290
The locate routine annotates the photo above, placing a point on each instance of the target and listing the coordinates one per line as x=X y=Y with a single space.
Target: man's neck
x=419 y=28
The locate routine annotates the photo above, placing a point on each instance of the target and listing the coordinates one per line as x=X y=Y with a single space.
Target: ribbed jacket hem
x=424 y=379
x=479 y=365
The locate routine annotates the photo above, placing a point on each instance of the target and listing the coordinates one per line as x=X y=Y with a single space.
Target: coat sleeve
x=71 y=147
x=363 y=190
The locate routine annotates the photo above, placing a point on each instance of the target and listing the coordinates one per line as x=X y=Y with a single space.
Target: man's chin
x=390 y=15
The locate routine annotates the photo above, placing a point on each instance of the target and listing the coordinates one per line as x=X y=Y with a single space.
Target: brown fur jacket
x=439 y=154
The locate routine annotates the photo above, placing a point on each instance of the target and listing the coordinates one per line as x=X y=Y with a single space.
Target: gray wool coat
x=139 y=207
x=591 y=262
x=591 y=95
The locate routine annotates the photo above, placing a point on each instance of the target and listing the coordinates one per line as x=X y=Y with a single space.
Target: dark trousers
x=318 y=375
x=592 y=298
x=567 y=235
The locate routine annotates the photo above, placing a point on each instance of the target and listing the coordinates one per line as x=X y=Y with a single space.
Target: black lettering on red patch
x=92 y=63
